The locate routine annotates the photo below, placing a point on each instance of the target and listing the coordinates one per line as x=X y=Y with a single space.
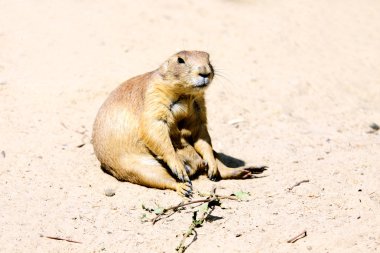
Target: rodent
x=152 y=129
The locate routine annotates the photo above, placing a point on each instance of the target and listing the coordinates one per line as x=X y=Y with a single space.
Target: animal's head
x=192 y=69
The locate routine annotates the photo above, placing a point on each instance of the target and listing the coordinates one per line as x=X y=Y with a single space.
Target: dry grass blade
x=59 y=239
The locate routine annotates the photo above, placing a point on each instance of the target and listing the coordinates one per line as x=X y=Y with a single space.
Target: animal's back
x=116 y=125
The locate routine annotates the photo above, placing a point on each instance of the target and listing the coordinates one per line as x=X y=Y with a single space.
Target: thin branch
x=181 y=247
x=196 y=223
x=190 y=202
x=176 y=207
x=212 y=199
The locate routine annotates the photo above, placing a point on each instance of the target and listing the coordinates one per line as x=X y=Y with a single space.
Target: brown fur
x=152 y=130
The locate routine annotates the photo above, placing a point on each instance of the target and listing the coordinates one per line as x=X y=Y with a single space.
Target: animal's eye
x=180 y=60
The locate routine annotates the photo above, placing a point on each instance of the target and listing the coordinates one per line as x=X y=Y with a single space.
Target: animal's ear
x=163 y=69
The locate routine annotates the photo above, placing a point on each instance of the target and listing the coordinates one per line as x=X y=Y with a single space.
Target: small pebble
x=109 y=192
x=235 y=121
x=374 y=126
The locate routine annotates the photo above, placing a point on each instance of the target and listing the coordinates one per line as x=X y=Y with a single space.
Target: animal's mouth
x=201 y=82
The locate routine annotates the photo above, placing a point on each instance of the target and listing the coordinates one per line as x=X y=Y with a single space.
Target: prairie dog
x=152 y=129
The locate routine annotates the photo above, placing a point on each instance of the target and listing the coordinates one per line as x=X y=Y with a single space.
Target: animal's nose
x=204 y=75
x=204 y=71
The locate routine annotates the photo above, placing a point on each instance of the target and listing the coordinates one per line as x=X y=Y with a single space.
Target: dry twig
x=297 y=237
x=176 y=207
x=297 y=184
x=197 y=222
x=209 y=203
x=210 y=198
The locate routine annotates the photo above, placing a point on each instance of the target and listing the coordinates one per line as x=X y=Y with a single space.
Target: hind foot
x=240 y=173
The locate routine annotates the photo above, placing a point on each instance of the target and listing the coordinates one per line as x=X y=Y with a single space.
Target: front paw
x=185 y=189
x=179 y=170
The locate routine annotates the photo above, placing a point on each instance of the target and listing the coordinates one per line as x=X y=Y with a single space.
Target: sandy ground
x=300 y=78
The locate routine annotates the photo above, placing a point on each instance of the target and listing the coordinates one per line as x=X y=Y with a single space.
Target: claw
x=214 y=178
x=189 y=193
x=189 y=184
x=187 y=168
x=183 y=192
x=204 y=164
x=186 y=178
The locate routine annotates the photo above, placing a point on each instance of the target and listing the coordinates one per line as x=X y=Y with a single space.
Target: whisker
x=223 y=77
x=218 y=72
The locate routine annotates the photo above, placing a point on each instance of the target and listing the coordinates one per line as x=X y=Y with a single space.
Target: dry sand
x=301 y=78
